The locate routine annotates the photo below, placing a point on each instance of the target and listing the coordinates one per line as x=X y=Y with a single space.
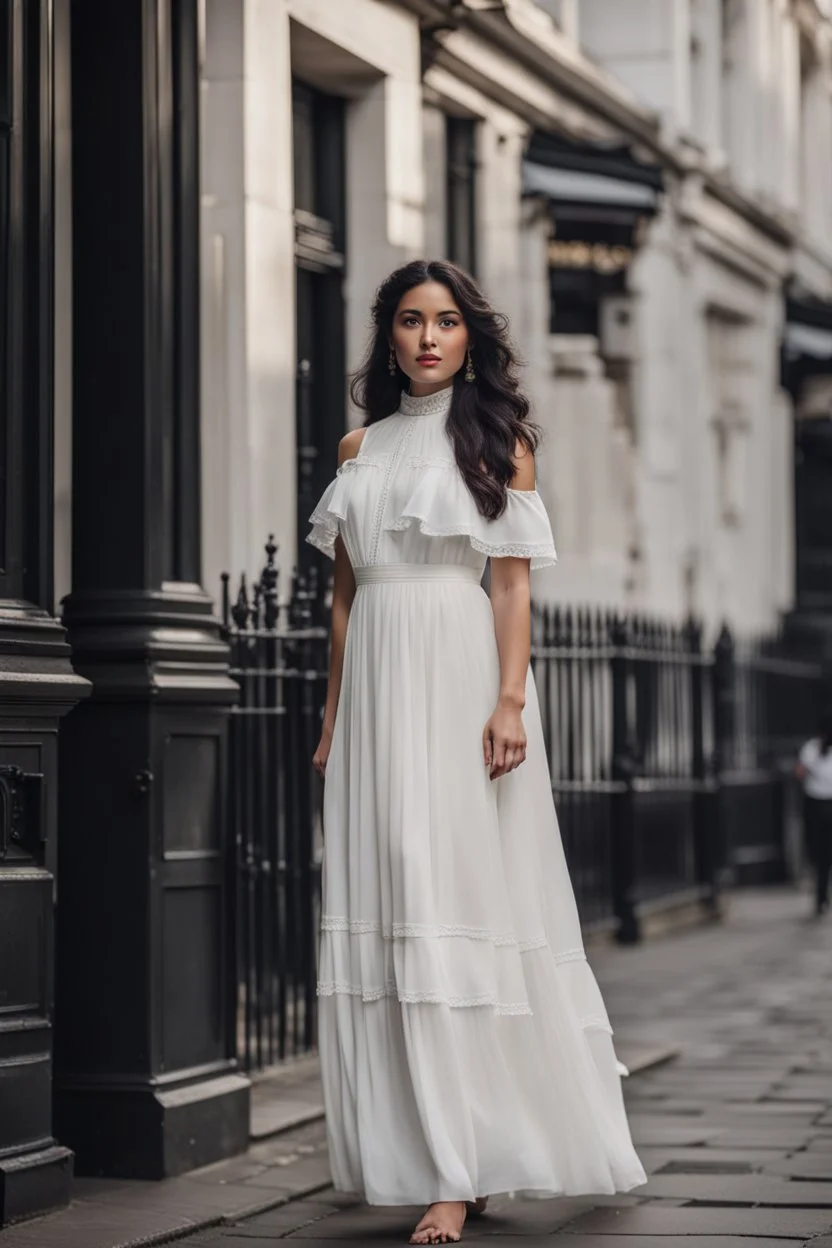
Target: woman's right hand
x=319 y=758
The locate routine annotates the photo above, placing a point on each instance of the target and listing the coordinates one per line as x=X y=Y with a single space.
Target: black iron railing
x=279 y=657
x=769 y=701
x=626 y=707
x=668 y=760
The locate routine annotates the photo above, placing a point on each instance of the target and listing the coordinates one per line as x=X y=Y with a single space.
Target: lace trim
x=508 y=550
x=392 y=461
x=430 y=461
x=359 y=461
x=324 y=520
x=426 y=405
x=396 y=931
x=570 y=955
x=596 y=1022
x=356 y=927
x=329 y=526
x=339 y=988
x=518 y=550
x=324 y=542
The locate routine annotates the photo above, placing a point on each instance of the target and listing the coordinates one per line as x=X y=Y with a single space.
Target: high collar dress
x=464 y=1044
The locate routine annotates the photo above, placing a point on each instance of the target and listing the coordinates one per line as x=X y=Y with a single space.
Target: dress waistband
x=378 y=573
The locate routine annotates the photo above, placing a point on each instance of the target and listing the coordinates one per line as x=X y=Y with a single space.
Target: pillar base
x=33 y=1183
x=133 y=1132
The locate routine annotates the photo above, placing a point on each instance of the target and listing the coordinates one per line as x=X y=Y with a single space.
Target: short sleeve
x=331 y=510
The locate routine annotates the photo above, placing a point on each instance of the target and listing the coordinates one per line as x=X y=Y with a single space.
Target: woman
x=464 y=1044
x=814 y=769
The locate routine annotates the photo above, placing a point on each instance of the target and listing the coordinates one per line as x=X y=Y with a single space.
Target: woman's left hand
x=504 y=741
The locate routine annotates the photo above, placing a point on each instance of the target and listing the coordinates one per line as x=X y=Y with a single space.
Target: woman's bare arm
x=343 y=592
x=504 y=737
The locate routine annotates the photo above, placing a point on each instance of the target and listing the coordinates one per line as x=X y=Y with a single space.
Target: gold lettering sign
x=602 y=257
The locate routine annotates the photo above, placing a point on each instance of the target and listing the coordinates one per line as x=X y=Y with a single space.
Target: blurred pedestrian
x=814 y=769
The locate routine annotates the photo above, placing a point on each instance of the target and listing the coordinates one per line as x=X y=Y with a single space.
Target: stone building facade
x=644 y=186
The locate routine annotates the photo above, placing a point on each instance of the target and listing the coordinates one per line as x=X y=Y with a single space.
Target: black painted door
x=319 y=258
x=813 y=505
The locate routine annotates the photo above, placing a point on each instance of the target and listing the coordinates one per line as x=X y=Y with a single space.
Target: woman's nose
x=428 y=337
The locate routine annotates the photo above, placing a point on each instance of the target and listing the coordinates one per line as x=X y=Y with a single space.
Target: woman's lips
x=428 y=361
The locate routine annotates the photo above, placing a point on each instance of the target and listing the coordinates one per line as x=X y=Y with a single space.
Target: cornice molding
x=572 y=95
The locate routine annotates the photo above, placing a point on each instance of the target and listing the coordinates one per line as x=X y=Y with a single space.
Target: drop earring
x=391 y=363
x=470 y=375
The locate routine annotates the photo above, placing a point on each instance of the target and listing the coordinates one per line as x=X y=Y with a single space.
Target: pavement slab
x=806 y=1165
x=747 y=1189
x=752 y=1137
x=711 y=1160
x=670 y=1241
x=681 y=1135
x=287 y=1098
x=648 y=1220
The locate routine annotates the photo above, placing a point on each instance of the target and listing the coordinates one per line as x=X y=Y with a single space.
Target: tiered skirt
x=465 y=1047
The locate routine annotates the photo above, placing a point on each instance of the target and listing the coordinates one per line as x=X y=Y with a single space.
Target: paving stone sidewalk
x=735 y=1134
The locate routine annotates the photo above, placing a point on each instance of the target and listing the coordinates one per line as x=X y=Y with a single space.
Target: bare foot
x=476 y=1207
x=442 y=1224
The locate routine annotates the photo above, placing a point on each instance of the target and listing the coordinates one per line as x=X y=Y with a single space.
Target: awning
x=811 y=340
x=572 y=187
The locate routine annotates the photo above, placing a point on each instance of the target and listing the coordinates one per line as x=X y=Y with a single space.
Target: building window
x=732 y=381
x=461 y=154
x=319 y=143
x=734 y=40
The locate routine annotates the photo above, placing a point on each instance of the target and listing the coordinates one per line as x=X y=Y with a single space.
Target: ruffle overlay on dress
x=442 y=506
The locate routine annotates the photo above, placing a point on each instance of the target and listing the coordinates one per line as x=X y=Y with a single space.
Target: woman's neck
x=421 y=389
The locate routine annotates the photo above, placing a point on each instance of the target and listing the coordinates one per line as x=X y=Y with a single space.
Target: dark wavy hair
x=488 y=416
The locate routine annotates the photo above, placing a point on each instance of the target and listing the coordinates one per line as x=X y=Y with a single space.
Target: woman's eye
x=448 y=324
x=410 y=320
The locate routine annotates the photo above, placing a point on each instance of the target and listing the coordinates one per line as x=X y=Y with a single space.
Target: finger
x=519 y=756
x=486 y=747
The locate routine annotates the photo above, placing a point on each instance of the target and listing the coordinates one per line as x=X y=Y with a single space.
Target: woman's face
x=430 y=337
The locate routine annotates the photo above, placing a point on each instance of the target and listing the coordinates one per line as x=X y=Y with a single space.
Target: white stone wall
x=668 y=475
x=645 y=44
x=367 y=51
x=749 y=82
x=501 y=140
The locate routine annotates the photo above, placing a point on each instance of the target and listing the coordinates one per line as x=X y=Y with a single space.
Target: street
x=735 y=1132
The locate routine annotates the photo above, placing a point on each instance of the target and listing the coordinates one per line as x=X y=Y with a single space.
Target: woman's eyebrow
x=418 y=312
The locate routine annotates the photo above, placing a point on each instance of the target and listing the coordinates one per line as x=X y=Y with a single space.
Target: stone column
x=146 y=1082
x=37 y=683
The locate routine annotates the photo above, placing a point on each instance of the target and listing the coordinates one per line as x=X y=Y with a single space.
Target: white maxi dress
x=465 y=1048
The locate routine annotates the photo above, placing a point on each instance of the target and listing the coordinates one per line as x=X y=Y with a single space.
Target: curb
x=229 y=1219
